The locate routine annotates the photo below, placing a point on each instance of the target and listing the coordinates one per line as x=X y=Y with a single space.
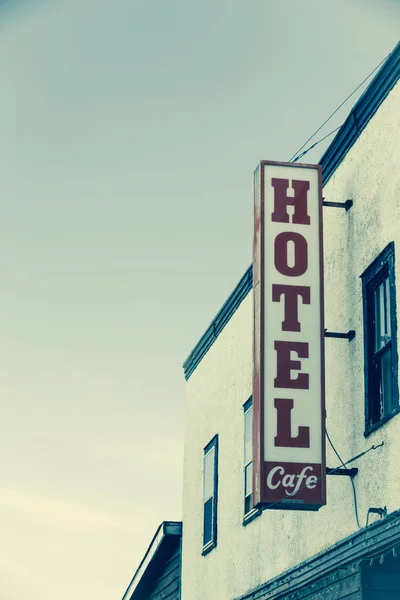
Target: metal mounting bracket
x=350 y=335
x=346 y=205
x=343 y=472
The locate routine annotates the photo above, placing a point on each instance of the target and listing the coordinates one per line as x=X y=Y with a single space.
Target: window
x=250 y=513
x=210 y=495
x=248 y=456
x=380 y=341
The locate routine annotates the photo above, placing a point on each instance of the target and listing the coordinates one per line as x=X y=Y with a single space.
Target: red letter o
x=300 y=254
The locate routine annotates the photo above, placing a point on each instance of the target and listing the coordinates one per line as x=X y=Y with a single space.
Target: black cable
x=351 y=479
x=316 y=144
x=339 y=107
x=373 y=447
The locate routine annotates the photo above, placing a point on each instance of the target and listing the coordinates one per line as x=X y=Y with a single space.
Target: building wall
x=247 y=556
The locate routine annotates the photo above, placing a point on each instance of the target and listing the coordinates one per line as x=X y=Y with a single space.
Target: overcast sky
x=129 y=131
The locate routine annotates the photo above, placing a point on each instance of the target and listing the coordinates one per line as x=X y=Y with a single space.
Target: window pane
x=382 y=312
x=248 y=436
x=208 y=522
x=387 y=297
x=209 y=474
x=379 y=316
x=377 y=334
x=248 y=504
x=248 y=479
x=386 y=383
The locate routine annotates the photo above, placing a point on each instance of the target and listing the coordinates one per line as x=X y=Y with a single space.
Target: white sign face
x=288 y=393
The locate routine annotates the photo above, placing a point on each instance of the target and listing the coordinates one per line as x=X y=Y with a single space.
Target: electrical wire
x=351 y=479
x=343 y=464
x=339 y=107
x=391 y=551
x=316 y=144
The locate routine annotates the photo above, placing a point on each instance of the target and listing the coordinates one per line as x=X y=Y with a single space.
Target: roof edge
x=379 y=538
x=222 y=317
x=361 y=113
x=167 y=528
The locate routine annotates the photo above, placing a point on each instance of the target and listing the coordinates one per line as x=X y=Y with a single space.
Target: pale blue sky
x=129 y=133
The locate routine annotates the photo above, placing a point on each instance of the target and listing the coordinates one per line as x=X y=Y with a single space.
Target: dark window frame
x=250 y=514
x=247 y=407
x=211 y=544
x=380 y=269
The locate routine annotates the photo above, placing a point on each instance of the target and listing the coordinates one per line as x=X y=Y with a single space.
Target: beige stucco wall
x=248 y=556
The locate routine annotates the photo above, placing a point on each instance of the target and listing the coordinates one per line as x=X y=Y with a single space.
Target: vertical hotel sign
x=288 y=370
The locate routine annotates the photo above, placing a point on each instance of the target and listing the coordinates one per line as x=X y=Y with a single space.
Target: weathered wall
x=168 y=583
x=246 y=556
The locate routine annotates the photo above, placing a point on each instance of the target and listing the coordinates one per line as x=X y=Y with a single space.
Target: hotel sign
x=288 y=370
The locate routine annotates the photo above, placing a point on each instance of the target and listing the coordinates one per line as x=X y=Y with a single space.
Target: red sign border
x=259 y=499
